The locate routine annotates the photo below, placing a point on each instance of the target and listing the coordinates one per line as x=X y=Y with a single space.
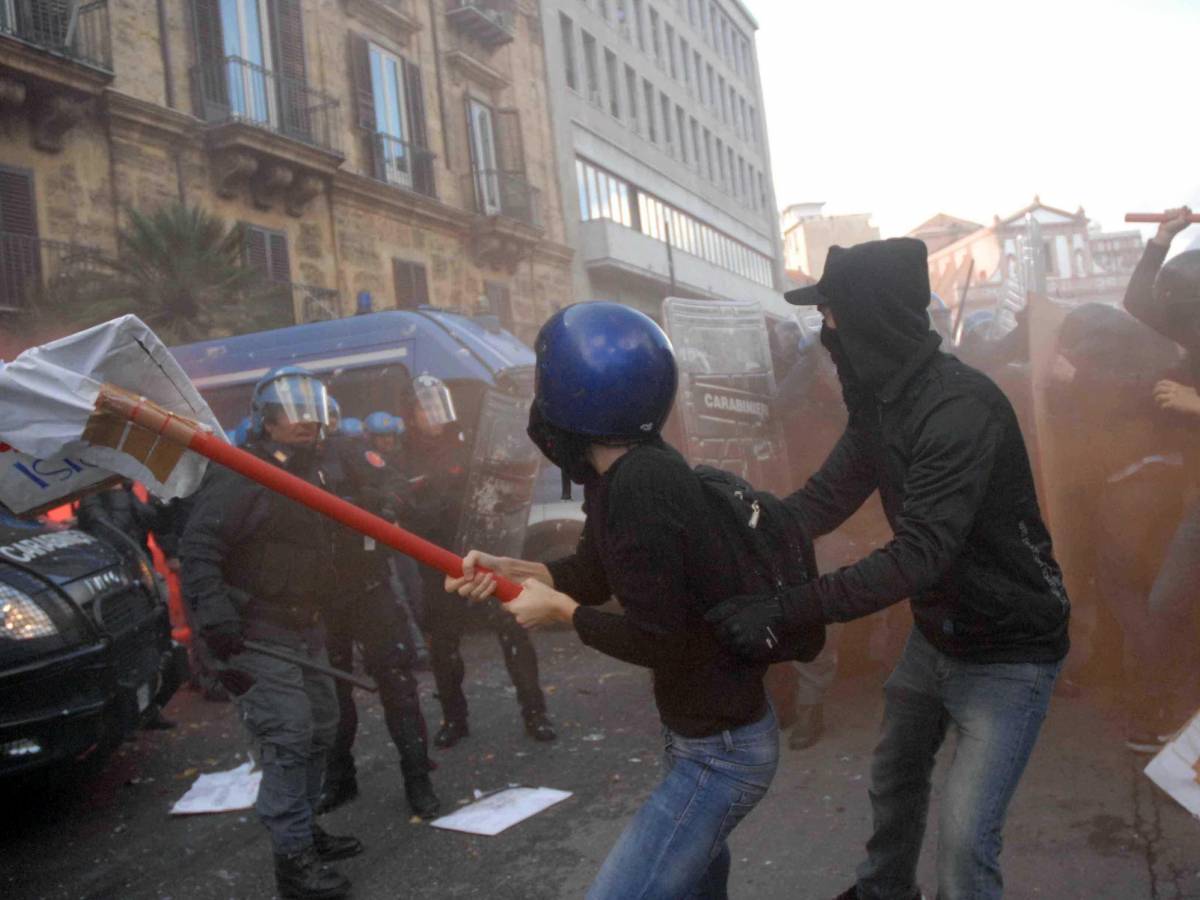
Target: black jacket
x=940 y=442
x=649 y=539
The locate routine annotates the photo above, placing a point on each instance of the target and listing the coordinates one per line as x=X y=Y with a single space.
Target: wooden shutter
x=20 y=258
x=417 y=135
x=510 y=151
x=412 y=288
x=280 y=267
x=209 y=85
x=267 y=253
x=360 y=80
x=499 y=299
x=290 y=68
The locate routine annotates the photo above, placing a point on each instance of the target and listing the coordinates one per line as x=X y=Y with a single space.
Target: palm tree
x=181 y=270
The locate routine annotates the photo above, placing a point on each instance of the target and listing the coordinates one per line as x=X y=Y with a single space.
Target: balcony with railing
x=286 y=303
x=401 y=163
x=78 y=33
x=491 y=192
x=33 y=270
x=233 y=90
x=490 y=22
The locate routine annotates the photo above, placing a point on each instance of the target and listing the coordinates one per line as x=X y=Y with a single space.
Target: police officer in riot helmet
x=352 y=428
x=258 y=565
x=335 y=418
x=364 y=611
x=436 y=452
x=384 y=432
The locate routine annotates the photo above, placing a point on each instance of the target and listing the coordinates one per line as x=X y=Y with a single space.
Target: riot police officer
x=364 y=611
x=258 y=565
x=437 y=457
x=384 y=433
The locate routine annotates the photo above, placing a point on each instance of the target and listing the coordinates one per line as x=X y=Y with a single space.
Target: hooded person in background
x=941 y=444
x=1167 y=298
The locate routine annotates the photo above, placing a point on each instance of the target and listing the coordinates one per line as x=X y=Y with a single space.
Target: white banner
x=53 y=446
x=1176 y=768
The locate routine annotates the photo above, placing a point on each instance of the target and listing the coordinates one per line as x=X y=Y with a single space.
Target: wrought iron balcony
x=288 y=303
x=491 y=22
x=32 y=269
x=82 y=36
x=236 y=90
x=402 y=163
x=491 y=192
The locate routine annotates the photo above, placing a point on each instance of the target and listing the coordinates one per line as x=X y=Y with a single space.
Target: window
x=602 y=8
x=498 y=297
x=681 y=132
x=483 y=155
x=266 y=252
x=654 y=36
x=603 y=195
x=389 y=107
x=685 y=61
x=699 y=69
x=666 y=122
x=568 y=40
x=590 y=68
x=614 y=92
x=696 y=141
x=724 y=99
x=671 y=52
x=246 y=46
x=391 y=116
x=648 y=92
x=708 y=156
x=412 y=287
x=637 y=24
x=712 y=87
x=691 y=12
x=631 y=92
x=20 y=256
x=721 y=163
x=752 y=119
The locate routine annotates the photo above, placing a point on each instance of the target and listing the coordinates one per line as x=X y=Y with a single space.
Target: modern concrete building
x=662 y=151
x=400 y=147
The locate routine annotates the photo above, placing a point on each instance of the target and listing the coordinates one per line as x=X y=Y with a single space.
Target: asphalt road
x=1085 y=824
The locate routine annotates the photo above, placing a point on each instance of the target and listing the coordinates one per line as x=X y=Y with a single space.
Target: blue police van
x=370 y=361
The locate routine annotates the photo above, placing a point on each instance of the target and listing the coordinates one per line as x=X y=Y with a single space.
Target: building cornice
x=376 y=196
x=128 y=111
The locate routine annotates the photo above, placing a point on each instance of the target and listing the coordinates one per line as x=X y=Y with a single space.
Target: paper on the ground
x=502 y=810
x=47 y=400
x=1176 y=768
x=220 y=792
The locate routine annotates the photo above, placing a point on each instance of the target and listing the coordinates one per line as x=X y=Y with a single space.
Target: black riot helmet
x=1177 y=290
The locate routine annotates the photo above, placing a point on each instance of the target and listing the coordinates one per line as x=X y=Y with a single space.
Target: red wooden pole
x=189 y=434
x=1155 y=218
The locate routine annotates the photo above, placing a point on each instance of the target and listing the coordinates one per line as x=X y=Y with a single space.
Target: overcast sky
x=972 y=107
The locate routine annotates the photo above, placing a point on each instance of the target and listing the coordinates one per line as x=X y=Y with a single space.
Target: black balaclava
x=879 y=295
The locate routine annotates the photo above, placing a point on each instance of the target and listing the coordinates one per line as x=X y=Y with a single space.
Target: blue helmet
x=351 y=427
x=604 y=371
x=381 y=423
x=294 y=392
x=240 y=433
x=335 y=415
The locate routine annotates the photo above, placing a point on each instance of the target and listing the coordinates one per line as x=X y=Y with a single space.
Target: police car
x=85 y=644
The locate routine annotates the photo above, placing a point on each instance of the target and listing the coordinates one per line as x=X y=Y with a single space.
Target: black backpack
x=773 y=549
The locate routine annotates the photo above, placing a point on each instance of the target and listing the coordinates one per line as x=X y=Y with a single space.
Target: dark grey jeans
x=291 y=715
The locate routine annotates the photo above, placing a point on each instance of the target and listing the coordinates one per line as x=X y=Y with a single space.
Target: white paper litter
x=502 y=810
x=221 y=792
x=1176 y=768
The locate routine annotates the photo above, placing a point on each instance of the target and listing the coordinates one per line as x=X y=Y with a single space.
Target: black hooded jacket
x=941 y=443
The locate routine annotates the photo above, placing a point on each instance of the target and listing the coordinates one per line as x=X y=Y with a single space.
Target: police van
x=369 y=362
x=85 y=645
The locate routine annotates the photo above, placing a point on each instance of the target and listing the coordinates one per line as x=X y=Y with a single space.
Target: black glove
x=752 y=626
x=225 y=640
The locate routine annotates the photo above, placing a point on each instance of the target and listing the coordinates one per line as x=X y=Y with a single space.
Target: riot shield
x=503 y=467
x=726 y=383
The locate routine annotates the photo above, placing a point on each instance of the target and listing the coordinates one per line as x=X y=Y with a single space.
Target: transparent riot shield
x=726 y=383
x=504 y=465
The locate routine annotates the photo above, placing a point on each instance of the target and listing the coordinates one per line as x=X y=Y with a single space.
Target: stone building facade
x=397 y=147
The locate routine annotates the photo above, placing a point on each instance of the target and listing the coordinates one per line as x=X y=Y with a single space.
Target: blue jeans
x=996 y=711
x=675 y=846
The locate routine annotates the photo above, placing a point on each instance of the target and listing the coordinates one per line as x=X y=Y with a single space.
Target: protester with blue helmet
x=255 y=564
x=605 y=384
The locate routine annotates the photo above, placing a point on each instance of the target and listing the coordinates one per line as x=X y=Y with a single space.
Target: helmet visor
x=434 y=402
x=298 y=399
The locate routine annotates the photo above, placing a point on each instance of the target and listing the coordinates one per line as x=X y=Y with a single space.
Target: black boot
x=332 y=846
x=451 y=732
x=302 y=876
x=421 y=799
x=537 y=726
x=338 y=791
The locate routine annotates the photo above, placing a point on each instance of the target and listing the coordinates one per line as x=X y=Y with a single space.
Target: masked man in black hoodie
x=941 y=444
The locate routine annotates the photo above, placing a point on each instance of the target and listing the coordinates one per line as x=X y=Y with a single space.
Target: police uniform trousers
x=291 y=715
x=446 y=619
x=375 y=622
